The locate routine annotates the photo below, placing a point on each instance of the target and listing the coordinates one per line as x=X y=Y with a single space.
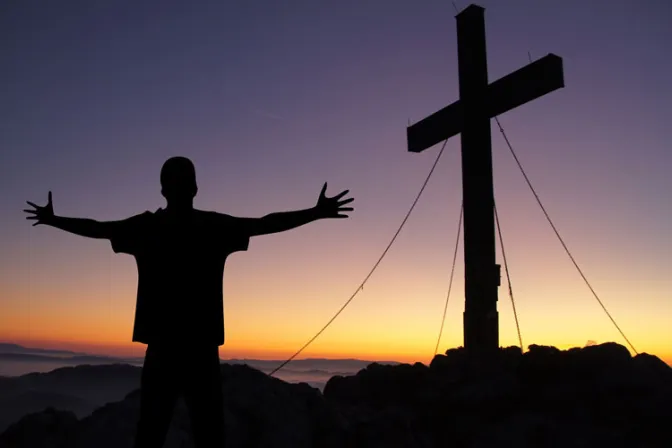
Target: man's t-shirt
x=180 y=260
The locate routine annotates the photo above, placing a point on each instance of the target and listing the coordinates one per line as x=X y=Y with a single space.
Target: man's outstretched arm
x=281 y=221
x=79 y=226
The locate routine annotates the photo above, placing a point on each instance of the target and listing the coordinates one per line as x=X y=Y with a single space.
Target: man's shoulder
x=139 y=218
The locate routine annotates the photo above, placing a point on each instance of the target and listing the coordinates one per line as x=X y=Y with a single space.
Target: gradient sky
x=271 y=99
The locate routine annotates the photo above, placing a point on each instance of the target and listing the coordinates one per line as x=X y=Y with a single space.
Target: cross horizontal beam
x=522 y=86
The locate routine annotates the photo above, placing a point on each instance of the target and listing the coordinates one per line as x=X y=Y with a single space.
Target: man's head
x=178 y=180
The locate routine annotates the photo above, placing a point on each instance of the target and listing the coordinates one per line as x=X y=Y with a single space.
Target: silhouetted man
x=180 y=254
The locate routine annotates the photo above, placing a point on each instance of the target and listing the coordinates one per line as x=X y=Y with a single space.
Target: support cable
x=548 y=218
x=508 y=279
x=375 y=266
x=450 y=283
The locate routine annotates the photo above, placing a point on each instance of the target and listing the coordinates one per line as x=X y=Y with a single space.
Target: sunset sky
x=271 y=99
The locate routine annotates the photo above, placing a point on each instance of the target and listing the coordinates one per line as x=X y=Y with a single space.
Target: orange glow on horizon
x=112 y=348
x=273 y=307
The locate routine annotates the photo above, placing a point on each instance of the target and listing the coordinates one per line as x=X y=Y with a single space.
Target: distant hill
x=79 y=389
x=19 y=403
x=74 y=359
x=16 y=348
x=19 y=353
x=349 y=365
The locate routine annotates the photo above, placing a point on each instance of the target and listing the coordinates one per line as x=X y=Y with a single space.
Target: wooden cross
x=470 y=116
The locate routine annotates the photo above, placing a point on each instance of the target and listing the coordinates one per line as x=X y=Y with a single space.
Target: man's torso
x=180 y=260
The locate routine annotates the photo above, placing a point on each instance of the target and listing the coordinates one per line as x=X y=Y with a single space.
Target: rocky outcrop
x=594 y=396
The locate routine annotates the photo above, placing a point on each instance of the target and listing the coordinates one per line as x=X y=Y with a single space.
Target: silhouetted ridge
x=7 y=348
x=593 y=396
x=80 y=389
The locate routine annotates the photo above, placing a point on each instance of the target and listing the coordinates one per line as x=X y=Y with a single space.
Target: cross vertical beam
x=470 y=116
x=481 y=323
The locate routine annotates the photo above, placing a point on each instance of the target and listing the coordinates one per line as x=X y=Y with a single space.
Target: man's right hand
x=41 y=215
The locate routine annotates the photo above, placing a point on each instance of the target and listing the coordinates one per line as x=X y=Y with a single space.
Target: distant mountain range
x=80 y=389
x=15 y=348
x=76 y=359
x=82 y=382
x=15 y=352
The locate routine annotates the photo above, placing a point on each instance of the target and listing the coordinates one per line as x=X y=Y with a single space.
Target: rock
x=593 y=396
x=653 y=369
x=379 y=386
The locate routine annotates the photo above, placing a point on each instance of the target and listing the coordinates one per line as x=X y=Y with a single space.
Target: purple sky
x=270 y=99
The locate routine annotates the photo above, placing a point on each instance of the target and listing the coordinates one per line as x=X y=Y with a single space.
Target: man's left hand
x=333 y=207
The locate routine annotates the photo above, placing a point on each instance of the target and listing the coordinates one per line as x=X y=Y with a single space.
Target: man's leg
x=158 y=395
x=203 y=396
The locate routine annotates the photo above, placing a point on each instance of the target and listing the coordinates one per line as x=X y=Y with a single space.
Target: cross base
x=481 y=332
